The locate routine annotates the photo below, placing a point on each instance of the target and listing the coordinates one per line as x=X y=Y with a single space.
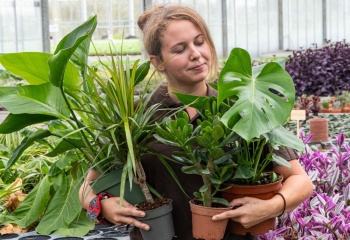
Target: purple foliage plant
x=326 y=214
x=321 y=71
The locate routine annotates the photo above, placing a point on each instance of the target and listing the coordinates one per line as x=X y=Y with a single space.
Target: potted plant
x=315 y=107
x=304 y=104
x=336 y=107
x=256 y=101
x=88 y=115
x=346 y=95
x=325 y=105
x=204 y=152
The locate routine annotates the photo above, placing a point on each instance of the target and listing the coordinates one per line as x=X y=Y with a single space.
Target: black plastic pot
x=111 y=183
x=161 y=222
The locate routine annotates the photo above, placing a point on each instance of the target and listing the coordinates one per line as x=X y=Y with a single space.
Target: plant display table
x=100 y=232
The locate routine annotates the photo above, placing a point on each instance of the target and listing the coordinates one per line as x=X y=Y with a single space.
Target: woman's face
x=185 y=52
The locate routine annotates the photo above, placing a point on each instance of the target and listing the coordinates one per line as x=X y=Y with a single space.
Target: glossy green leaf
x=141 y=72
x=33 y=206
x=79 y=227
x=282 y=137
x=34 y=99
x=259 y=107
x=63 y=208
x=74 y=45
x=16 y=122
x=280 y=161
x=33 y=67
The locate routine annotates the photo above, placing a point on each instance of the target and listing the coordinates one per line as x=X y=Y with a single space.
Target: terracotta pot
x=336 y=110
x=345 y=110
x=324 y=110
x=265 y=191
x=319 y=129
x=202 y=225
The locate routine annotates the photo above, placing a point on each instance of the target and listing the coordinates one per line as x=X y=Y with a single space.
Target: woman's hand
x=122 y=215
x=250 y=211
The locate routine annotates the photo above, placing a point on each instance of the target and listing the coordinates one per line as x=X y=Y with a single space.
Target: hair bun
x=142 y=20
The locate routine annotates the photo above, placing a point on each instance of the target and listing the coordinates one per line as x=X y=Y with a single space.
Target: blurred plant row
x=339 y=103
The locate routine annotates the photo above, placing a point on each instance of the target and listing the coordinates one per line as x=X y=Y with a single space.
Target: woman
x=180 y=47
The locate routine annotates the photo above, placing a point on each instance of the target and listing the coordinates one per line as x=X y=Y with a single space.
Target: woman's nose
x=195 y=53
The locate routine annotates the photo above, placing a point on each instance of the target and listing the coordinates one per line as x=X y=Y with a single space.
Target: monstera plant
x=87 y=115
x=240 y=129
x=258 y=99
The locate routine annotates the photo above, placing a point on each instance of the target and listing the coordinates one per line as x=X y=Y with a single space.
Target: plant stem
x=207 y=193
x=141 y=181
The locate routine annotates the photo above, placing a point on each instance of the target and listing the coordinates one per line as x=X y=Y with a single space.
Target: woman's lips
x=198 y=67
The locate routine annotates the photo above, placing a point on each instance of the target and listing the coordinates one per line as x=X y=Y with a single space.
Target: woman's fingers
x=122 y=214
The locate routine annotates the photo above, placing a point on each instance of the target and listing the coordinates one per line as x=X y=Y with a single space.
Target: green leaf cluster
x=252 y=104
x=90 y=115
x=204 y=148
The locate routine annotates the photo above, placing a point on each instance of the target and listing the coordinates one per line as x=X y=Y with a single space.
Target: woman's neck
x=199 y=89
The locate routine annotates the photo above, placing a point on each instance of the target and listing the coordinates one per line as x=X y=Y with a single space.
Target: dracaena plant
x=326 y=213
x=258 y=101
x=204 y=148
x=89 y=115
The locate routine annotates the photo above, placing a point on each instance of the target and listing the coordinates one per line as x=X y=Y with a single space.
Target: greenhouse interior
x=108 y=131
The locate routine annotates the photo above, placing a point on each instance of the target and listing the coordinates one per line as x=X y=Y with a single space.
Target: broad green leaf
x=78 y=228
x=74 y=45
x=141 y=72
x=257 y=69
x=33 y=67
x=280 y=161
x=244 y=172
x=67 y=160
x=35 y=99
x=16 y=122
x=65 y=145
x=259 y=107
x=63 y=208
x=282 y=137
x=34 y=204
x=26 y=142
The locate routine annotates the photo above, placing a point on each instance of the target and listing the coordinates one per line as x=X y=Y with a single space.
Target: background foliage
x=321 y=71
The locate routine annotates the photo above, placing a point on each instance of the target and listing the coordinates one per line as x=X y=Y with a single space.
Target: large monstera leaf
x=263 y=98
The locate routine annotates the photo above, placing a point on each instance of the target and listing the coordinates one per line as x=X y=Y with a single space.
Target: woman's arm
x=86 y=194
x=110 y=207
x=296 y=188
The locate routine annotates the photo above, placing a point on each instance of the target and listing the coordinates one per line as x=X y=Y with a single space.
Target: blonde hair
x=153 y=22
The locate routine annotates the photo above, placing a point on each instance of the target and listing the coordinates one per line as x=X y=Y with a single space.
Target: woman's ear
x=157 y=63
